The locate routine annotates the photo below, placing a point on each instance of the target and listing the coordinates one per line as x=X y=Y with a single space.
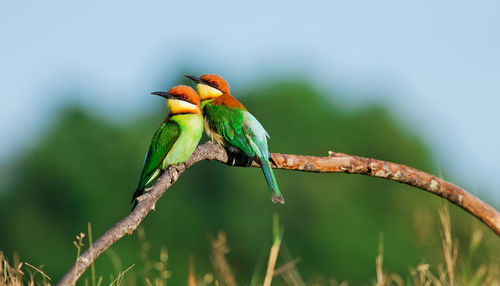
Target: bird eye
x=213 y=83
x=183 y=96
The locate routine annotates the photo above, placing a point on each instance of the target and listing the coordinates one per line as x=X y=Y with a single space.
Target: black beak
x=163 y=94
x=194 y=78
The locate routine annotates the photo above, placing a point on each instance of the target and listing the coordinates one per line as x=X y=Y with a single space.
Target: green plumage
x=228 y=123
x=236 y=127
x=162 y=141
x=173 y=143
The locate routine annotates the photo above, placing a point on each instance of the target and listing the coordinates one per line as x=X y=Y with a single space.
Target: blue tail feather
x=256 y=137
x=271 y=181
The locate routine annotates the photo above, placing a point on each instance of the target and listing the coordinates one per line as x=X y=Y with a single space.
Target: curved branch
x=334 y=163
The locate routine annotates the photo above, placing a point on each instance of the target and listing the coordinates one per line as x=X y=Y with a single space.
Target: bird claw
x=237 y=158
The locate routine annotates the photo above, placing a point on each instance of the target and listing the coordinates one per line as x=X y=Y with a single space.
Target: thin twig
x=39 y=271
x=334 y=163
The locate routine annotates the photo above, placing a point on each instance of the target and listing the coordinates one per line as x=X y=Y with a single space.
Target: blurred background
x=414 y=83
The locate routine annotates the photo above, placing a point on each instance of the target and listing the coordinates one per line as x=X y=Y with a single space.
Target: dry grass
x=21 y=273
x=445 y=274
x=448 y=272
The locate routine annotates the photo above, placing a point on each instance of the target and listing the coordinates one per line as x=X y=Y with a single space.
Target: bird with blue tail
x=229 y=124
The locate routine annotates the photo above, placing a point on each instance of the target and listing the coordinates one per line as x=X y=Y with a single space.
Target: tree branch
x=334 y=163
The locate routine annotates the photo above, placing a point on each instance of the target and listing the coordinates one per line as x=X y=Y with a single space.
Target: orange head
x=210 y=86
x=181 y=99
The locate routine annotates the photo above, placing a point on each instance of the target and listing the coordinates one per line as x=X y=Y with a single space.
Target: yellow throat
x=180 y=106
x=207 y=92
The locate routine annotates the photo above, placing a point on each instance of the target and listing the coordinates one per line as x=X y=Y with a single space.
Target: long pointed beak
x=163 y=94
x=194 y=78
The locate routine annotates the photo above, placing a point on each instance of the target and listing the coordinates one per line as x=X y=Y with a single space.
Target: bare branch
x=334 y=163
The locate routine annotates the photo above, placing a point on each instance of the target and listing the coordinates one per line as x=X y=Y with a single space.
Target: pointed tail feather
x=139 y=192
x=143 y=184
x=271 y=181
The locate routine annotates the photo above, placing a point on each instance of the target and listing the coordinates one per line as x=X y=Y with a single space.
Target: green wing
x=162 y=142
x=228 y=122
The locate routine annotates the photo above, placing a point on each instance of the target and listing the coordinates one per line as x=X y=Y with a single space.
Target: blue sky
x=435 y=64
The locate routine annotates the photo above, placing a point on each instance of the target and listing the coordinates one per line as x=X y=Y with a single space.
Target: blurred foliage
x=85 y=169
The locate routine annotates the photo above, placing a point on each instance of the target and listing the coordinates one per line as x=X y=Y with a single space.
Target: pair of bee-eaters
x=227 y=122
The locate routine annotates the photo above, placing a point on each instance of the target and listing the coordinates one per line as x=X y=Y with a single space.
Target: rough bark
x=334 y=163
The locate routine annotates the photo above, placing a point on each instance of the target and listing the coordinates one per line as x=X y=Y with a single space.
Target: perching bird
x=229 y=123
x=176 y=138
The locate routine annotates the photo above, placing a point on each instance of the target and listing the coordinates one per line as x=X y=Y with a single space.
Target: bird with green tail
x=229 y=124
x=176 y=138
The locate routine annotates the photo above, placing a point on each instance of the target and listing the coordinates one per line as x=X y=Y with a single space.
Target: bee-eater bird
x=229 y=124
x=176 y=138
